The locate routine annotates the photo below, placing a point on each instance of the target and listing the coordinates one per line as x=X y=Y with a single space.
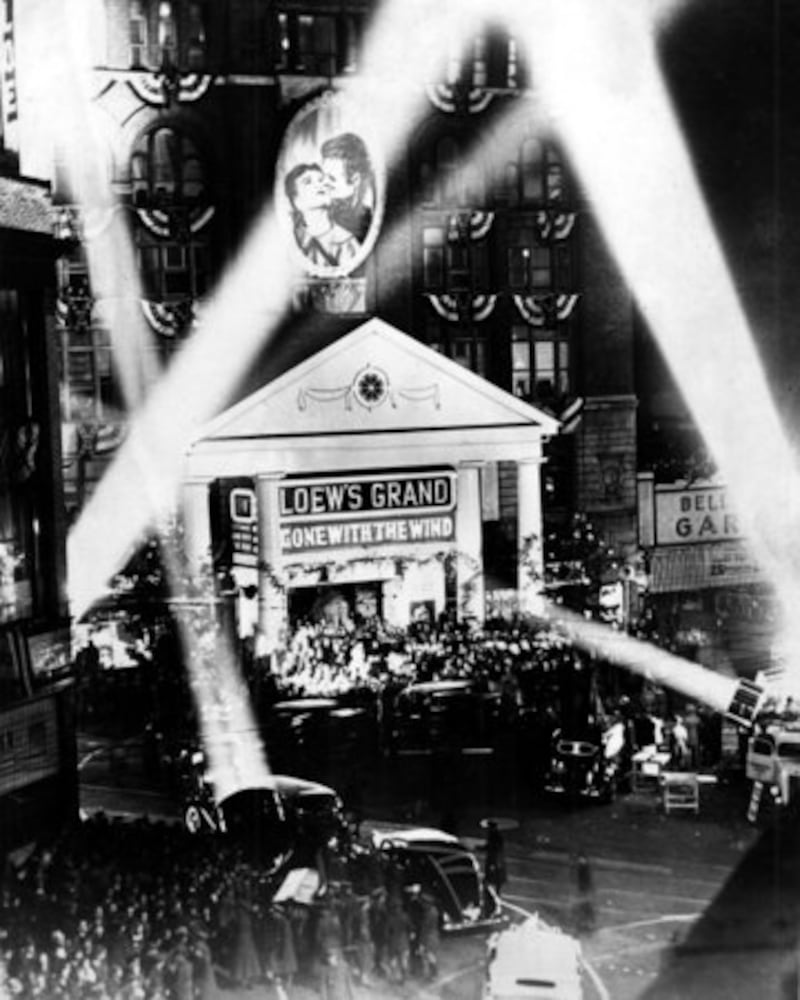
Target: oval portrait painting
x=329 y=188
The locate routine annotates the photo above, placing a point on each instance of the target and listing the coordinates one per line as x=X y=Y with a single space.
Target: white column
x=530 y=550
x=469 y=543
x=196 y=524
x=272 y=603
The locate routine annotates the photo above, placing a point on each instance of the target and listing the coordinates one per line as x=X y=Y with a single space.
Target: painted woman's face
x=311 y=190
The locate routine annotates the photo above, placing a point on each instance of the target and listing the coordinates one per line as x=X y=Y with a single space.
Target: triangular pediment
x=374 y=379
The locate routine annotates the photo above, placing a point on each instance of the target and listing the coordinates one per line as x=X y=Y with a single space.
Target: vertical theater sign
x=329 y=196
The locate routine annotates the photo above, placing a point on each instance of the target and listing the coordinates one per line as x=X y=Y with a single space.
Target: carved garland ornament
x=370 y=388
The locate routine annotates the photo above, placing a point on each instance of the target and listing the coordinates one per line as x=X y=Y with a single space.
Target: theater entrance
x=336 y=605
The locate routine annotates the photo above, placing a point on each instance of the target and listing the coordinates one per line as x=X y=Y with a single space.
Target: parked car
x=440 y=715
x=532 y=961
x=590 y=767
x=289 y=820
x=443 y=866
x=773 y=758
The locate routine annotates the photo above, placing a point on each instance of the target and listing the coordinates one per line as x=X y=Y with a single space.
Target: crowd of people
x=323 y=661
x=539 y=679
x=140 y=910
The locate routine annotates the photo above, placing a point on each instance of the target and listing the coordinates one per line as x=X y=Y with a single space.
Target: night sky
x=733 y=69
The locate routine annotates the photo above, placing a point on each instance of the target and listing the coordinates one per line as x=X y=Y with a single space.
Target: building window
x=174 y=271
x=530 y=267
x=137 y=28
x=446 y=179
x=463 y=343
x=195 y=37
x=88 y=381
x=512 y=65
x=352 y=31
x=166 y=169
x=451 y=262
x=480 y=68
x=167 y=34
x=433 y=257
x=535 y=176
x=533 y=265
x=316 y=44
x=539 y=365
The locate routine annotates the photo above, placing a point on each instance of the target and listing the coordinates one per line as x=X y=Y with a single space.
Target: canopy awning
x=698 y=567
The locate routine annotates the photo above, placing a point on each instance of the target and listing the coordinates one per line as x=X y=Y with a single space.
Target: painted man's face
x=341 y=186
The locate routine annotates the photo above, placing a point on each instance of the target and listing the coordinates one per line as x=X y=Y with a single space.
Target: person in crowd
x=428 y=937
x=245 y=967
x=398 y=939
x=378 y=929
x=363 y=945
x=585 y=915
x=205 y=978
x=691 y=722
x=681 y=754
x=179 y=970
x=336 y=981
x=278 y=952
x=495 y=864
x=328 y=936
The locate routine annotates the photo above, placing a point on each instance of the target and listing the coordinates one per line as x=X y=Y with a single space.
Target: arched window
x=166 y=169
x=480 y=65
x=195 y=36
x=427 y=183
x=138 y=34
x=167 y=33
x=447 y=156
x=473 y=193
x=167 y=173
x=535 y=176
x=531 y=162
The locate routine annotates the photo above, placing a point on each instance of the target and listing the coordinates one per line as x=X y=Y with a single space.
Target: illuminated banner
x=330 y=187
x=366 y=533
x=8 y=80
x=377 y=495
x=364 y=511
x=695 y=515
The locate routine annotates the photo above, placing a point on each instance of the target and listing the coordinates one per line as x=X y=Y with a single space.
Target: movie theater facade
x=361 y=477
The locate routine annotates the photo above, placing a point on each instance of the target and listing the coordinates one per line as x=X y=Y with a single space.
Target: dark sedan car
x=595 y=766
x=441 y=865
x=448 y=714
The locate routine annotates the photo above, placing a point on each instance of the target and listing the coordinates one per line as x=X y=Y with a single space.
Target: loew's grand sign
x=358 y=511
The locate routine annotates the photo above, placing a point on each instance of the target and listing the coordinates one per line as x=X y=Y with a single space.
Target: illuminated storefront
x=364 y=471
x=709 y=593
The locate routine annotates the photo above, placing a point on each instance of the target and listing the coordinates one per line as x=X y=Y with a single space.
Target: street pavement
x=685 y=906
